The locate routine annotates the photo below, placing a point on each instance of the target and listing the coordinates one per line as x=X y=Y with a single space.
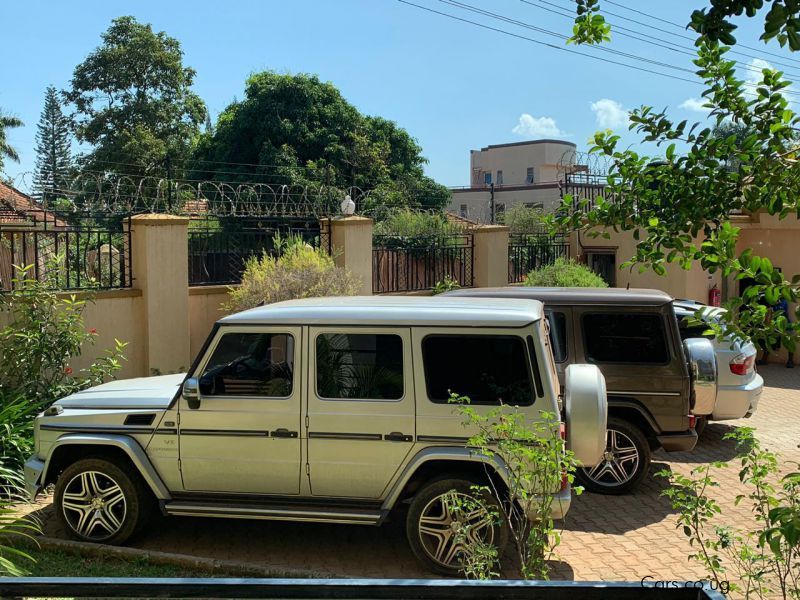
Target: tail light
x=743 y=364
x=692 y=422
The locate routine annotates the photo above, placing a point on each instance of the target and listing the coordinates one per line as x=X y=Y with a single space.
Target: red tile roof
x=17 y=208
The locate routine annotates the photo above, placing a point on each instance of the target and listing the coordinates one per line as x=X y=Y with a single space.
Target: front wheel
x=100 y=501
x=625 y=462
x=440 y=511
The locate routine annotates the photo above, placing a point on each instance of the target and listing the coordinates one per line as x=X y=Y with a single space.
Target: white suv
x=328 y=410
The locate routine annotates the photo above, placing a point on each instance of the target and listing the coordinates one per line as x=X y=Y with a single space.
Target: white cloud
x=531 y=126
x=695 y=105
x=609 y=113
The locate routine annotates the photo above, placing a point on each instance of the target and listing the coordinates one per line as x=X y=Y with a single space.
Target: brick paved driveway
x=605 y=537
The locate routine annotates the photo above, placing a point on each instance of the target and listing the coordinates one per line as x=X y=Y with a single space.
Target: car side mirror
x=190 y=392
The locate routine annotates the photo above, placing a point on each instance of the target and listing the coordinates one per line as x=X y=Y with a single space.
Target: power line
x=650 y=38
x=678 y=25
x=561 y=48
x=525 y=25
x=541 y=43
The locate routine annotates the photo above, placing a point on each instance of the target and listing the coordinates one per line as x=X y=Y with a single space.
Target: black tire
x=620 y=472
x=107 y=501
x=700 y=425
x=425 y=504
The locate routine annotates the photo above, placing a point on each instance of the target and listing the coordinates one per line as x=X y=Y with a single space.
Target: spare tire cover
x=586 y=408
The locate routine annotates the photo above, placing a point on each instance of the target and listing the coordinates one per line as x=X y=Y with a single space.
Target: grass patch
x=57 y=563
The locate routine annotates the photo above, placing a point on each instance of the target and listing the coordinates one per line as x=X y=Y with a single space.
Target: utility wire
x=541 y=43
x=651 y=39
x=679 y=26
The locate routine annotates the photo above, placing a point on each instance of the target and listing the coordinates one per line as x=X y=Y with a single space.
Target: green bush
x=299 y=271
x=45 y=332
x=446 y=285
x=413 y=229
x=521 y=219
x=564 y=273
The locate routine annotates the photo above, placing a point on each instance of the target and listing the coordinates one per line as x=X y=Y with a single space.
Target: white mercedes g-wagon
x=324 y=409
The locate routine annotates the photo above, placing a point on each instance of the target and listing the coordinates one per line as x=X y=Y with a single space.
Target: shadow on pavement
x=710 y=447
x=616 y=515
x=778 y=376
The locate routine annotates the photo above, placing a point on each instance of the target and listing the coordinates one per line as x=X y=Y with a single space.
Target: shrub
x=765 y=558
x=414 y=229
x=445 y=285
x=299 y=271
x=536 y=458
x=45 y=332
x=521 y=219
x=12 y=526
x=564 y=273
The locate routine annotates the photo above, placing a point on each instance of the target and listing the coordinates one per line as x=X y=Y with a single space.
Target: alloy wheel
x=94 y=505
x=620 y=461
x=441 y=521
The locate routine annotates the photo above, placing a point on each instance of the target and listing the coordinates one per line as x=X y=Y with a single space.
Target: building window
x=487 y=178
x=463 y=211
x=529 y=175
x=625 y=338
x=499 y=177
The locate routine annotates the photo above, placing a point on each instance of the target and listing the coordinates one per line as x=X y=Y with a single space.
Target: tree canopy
x=53 y=156
x=7 y=151
x=133 y=101
x=298 y=130
x=679 y=207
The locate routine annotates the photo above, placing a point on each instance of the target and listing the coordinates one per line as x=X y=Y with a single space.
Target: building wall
x=477 y=201
x=515 y=159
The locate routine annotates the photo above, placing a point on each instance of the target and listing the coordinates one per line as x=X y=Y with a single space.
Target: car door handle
x=283 y=433
x=396 y=436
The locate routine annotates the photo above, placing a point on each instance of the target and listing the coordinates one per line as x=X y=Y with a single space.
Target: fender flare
x=127 y=444
x=440 y=453
x=628 y=403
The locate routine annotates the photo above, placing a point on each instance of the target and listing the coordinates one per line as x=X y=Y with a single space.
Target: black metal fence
x=66 y=252
x=219 y=247
x=406 y=264
x=528 y=251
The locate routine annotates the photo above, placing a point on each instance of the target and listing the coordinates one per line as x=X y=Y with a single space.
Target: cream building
x=521 y=173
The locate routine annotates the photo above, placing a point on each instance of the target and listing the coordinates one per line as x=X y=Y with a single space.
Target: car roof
x=566 y=295
x=394 y=310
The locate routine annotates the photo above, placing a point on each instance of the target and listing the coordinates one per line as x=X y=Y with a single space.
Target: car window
x=362 y=366
x=558 y=334
x=489 y=369
x=625 y=338
x=250 y=364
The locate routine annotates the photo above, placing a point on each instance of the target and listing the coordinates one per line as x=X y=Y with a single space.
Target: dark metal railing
x=353 y=589
x=529 y=251
x=406 y=264
x=74 y=252
x=220 y=247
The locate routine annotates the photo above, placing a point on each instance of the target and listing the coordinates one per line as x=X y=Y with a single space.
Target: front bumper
x=34 y=467
x=738 y=401
x=678 y=442
x=561 y=503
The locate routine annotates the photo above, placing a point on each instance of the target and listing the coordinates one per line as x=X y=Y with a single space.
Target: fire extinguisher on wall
x=714 y=296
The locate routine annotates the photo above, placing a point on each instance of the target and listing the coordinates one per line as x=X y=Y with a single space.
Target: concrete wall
x=547 y=195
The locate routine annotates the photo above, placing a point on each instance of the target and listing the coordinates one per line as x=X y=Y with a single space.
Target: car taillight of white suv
x=743 y=364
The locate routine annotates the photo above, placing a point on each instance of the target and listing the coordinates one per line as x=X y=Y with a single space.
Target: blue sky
x=453 y=86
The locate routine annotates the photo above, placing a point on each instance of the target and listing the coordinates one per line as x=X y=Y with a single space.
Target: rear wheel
x=625 y=462
x=434 y=520
x=100 y=501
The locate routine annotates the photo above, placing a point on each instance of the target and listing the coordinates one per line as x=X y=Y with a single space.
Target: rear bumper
x=739 y=401
x=561 y=503
x=33 y=476
x=678 y=442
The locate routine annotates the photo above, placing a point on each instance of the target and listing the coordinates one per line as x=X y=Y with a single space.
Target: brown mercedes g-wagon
x=657 y=384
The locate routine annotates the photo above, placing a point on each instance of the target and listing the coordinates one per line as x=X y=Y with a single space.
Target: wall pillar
x=490 y=256
x=351 y=246
x=160 y=263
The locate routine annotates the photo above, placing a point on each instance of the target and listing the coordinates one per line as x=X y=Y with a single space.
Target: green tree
x=678 y=207
x=298 y=130
x=133 y=101
x=6 y=149
x=53 y=156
